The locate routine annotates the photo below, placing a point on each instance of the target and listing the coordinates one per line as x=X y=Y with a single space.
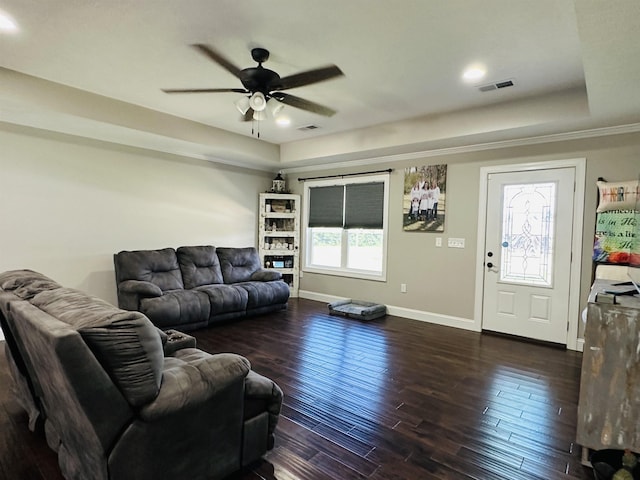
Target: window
x=346 y=226
x=528 y=217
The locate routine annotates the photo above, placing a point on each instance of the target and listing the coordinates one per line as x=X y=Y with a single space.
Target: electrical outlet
x=403 y=288
x=438 y=241
x=455 y=243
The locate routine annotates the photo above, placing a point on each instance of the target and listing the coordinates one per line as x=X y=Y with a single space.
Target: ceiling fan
x=262 y=86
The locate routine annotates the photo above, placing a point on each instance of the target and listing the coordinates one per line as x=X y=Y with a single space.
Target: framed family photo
x=423 y=206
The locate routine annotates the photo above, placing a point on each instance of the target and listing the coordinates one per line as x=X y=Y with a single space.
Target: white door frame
x=576 y=241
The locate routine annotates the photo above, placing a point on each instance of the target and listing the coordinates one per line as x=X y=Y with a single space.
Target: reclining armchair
x=114 y=404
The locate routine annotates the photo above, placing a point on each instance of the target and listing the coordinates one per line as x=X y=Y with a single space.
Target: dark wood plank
x=389 y=399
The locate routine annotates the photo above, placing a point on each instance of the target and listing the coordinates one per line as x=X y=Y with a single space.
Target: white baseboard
x=420 y=315
x=319 y=297
x=437 y=318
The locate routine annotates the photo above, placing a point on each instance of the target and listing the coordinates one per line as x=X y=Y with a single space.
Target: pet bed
x=357 y=309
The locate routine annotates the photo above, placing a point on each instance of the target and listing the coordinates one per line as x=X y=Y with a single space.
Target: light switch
x=455 y=243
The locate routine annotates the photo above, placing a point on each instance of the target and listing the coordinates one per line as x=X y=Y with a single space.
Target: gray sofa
x=193 y=287
x=116 y=402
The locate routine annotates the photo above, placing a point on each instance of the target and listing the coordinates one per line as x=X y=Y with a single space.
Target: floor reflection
x=345 y=363
x=520 y=417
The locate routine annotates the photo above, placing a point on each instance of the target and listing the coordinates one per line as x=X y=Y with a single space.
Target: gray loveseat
x=193 y=287
x=117 y=403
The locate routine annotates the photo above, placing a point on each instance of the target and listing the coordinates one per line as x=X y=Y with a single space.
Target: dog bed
x=357 y=309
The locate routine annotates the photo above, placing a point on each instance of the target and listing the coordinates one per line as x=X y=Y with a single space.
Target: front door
x=527 y=264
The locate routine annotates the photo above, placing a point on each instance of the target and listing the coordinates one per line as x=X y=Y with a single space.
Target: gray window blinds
x=326 y=206
x=364 y=205
x=355 y=205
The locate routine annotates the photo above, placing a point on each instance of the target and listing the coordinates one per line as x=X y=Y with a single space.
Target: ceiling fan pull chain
x=255 y=128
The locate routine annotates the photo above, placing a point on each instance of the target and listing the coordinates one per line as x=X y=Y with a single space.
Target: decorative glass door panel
x=527 y=264
x=528 y=218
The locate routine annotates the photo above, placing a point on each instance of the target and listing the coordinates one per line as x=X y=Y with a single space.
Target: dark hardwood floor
x=388 y=399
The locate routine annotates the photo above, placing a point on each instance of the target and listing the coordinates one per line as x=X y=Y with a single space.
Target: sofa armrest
x=145 y=289
x=191 y=378
x=262 y=393
x=266 y=275
x=173 y=340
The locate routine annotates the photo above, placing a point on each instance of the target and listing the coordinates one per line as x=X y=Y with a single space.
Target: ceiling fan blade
x=204 y=90
x=303 y=104
x=218 y=58
x=307 y=78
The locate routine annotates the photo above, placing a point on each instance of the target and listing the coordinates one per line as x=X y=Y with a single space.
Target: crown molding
x=478 y=147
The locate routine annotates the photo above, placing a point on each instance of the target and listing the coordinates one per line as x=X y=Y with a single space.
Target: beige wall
x=442 y=280
x=67 y=204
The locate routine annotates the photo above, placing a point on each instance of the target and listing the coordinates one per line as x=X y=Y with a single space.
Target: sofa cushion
x=199 y=266
x=193 y=376
x=262 y=294
x=238 y=264
x=266 y=275
x=159 y=267
x=126 y=343
x=225 y=298
x=176 y=308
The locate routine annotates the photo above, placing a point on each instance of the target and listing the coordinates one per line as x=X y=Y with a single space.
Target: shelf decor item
x=278 y=184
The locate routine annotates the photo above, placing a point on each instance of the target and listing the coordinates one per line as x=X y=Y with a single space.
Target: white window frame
x=344 y=271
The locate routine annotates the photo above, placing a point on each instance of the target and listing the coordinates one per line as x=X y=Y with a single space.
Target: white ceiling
x=96 y=69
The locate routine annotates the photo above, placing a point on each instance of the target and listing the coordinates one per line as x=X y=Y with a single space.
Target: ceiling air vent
x=495 y=86
x=487 y=88
x=505 y=84
x=308 y=127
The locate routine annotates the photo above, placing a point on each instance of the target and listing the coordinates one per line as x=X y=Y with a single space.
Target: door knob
x=489 y=254
x=489 y=265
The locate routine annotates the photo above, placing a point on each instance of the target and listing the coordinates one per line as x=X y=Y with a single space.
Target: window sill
x=339 y=272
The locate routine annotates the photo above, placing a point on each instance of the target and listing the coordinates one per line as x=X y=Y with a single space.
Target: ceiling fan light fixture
x=259 y=115
x=243 y=105
x=258 y=102
x=274 y=106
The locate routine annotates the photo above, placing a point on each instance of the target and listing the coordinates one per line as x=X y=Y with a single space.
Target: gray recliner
x=113 y=404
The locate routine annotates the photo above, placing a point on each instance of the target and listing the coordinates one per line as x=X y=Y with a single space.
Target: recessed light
x=7 y=24
x=475 y=72
x=283 y=121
